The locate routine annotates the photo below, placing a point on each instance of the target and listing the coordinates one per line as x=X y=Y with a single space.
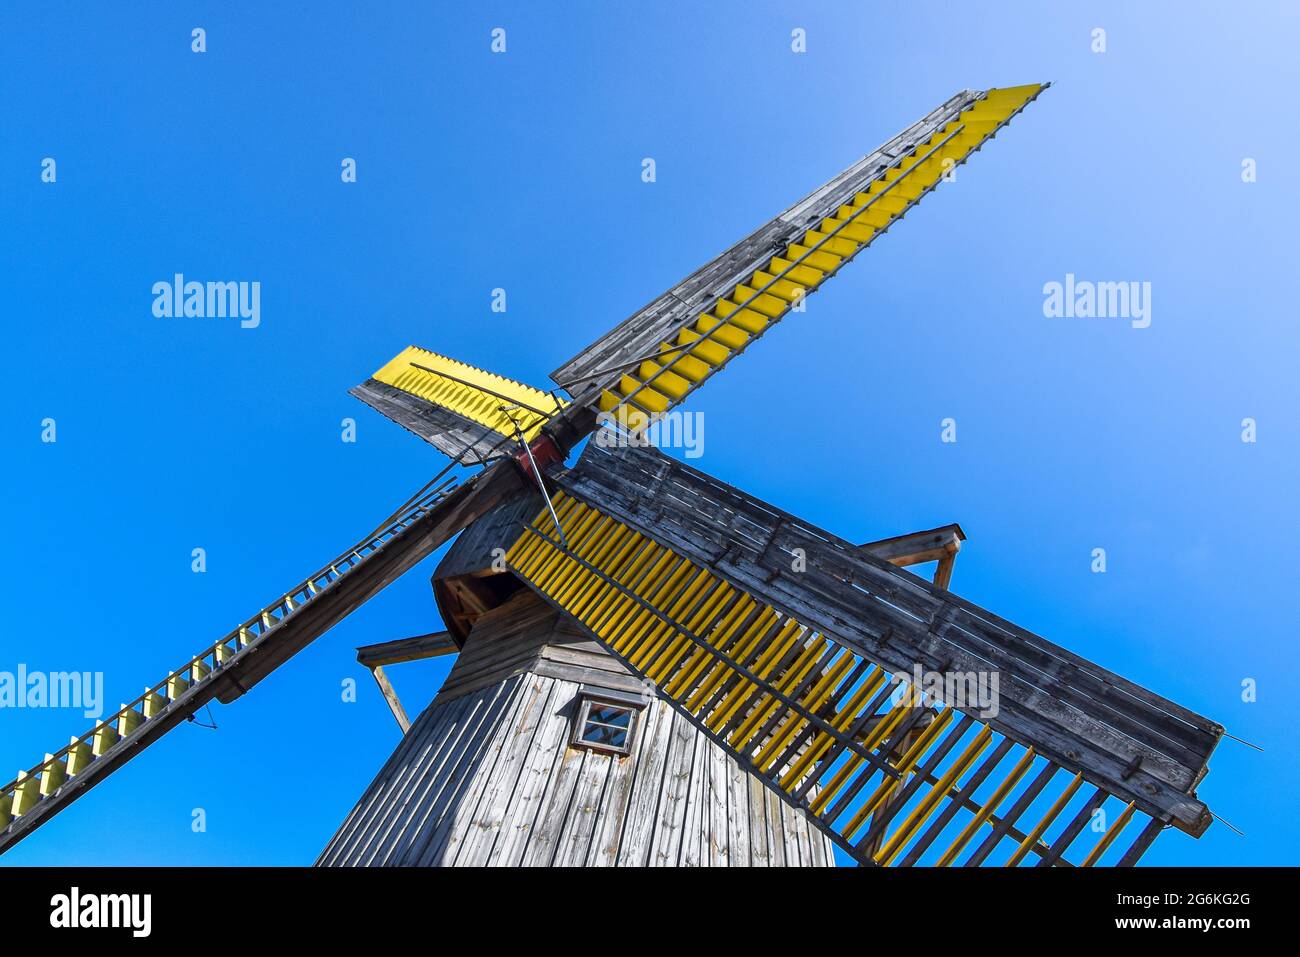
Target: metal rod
x=537 y=474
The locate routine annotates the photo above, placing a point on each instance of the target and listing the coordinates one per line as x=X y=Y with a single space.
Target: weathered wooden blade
x=249 y=653
x=790 y=647
x=454 y=406
x=660 y=354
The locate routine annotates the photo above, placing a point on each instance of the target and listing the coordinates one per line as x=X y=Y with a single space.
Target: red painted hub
x=545 y=452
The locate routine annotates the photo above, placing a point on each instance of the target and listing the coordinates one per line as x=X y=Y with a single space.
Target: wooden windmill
x=657 y=668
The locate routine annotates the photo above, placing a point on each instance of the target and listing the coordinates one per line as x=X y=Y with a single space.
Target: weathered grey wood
x=580 y=823
x=397 y=766
x=419 y=758
x=773 y=808
x=739 y=853
x=695 y=835
x=428 y=748
x=794 y=846
x=1078 y=714
x=390 y=696
x=615 y=801
x=484 y=829
x=528 y=636
x=488 y=776
x=524 y=808
x=717 y=852
x=445 y=817
x=934 y=545
x=670 y=818
x=419 y=808
x=646 y=328
x=477 y=496
x=406 y=649
x=545 y=840
x=917 y=547
x=759 y=852
x=473 y=550
x=647 y=789
x=472 y=817
x=449 y=432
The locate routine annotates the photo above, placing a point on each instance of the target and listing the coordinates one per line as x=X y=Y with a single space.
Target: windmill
x=655 y=667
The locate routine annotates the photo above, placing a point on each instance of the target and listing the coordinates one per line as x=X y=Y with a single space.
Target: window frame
x=587 y=697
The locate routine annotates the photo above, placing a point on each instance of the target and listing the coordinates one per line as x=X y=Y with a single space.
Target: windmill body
x=655 y=667
x=492 y=773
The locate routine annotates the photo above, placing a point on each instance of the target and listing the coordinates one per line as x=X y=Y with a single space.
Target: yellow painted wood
x=1036 y=834
x=742 y=737
x=811 y=701
x=731 y=336
x=926 y=806
x=683 y=615
x=819 y=259
x=752 y=306
x=791 y=292
x=53 y=774
x=128 y=719
x=26 y=794
x=105 y=737
x=987 y=809
x=665 y=380
x=468 y=396
x=842 y=721
x=153 y=703
x=921 y=813
x=177 y=685
x=1112 y=832
x=883 y=729
x=904 y=764
x=78 y=756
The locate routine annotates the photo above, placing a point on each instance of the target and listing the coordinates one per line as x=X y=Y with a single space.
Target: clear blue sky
x=522 y=171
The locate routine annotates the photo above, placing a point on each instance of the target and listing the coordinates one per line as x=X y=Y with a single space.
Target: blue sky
x=522 y=171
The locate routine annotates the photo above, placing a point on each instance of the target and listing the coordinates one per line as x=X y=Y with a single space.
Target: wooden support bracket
x=934 y=545
x=376 y=656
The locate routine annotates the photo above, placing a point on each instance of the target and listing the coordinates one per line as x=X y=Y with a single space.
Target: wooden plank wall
x=486 y=775
x=525 y=634
x=488 y=779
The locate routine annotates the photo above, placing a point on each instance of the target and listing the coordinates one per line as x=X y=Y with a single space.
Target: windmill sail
x=785 y=644
x=659 y=355
x=231 y=666
x=454 y=406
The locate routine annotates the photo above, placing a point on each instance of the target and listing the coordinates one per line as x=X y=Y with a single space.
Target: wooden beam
x=476 y=497
x=407 y=649
x=251 y=664
x=386 y=688
x=394 y=652
x=933 y=545
x=447 y=431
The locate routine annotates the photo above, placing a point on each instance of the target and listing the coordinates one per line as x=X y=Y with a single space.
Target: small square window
x=604 y=724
